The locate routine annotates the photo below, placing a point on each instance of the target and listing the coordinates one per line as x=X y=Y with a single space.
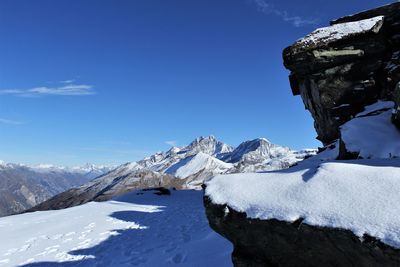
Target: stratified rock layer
x=339 y=69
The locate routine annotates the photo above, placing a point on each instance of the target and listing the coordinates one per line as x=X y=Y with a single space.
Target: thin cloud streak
x=296 y=21
x=65 y=90
x=12 y=122
x=67 y=81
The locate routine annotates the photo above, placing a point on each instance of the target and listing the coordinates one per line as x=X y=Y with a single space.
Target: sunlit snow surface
x=339 y=31
x=358 y=195
x=371 y=134
x=143 y=230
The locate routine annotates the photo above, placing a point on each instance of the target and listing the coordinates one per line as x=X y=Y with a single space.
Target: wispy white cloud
x=13 y=122
x=68 y=81
x=171 y=143
x=67 y=89
x=296 y=21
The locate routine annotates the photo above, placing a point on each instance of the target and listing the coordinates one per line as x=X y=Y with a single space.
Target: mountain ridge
x=186 y=167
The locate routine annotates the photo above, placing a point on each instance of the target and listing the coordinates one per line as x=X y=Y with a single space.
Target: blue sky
x=114 y=81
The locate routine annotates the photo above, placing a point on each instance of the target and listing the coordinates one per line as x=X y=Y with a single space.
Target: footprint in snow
x=178 y=258
x=24 y=248
x=70 y=233
x=31 y=240
x=5 y=261
x=10 y=251
x=92 y=225
x=56 y=237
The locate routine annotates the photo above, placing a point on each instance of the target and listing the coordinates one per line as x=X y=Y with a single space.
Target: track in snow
x=132 y=230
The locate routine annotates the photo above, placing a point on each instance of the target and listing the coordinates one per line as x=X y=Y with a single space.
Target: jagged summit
x=208 y=145
x=256 y=151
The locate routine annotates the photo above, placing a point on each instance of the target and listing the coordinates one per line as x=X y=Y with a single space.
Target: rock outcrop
x=277 y=243
x=339 y=69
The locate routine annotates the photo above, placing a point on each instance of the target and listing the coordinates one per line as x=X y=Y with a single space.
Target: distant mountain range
x=182 y=167
x=22 y=186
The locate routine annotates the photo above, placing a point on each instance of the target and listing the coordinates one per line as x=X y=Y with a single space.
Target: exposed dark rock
x=390 y=11
x=338 y=77
x=276 y=243
x=396 y=111
x=159 y=191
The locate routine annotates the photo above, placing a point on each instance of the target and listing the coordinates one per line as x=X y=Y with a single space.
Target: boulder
x=340 y=69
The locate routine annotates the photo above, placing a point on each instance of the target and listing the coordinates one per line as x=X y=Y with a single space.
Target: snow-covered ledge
x=327 y=35
x=358 y=195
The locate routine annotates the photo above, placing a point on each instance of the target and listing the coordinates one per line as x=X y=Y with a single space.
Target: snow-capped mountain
x=88 y=170
x=22 y=186
x=208 y=156
x=181 y=167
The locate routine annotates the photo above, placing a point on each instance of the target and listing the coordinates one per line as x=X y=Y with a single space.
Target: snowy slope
x=194 y=164
x=136 y=229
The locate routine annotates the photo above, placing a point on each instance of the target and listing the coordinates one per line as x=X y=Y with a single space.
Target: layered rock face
x=339 y=69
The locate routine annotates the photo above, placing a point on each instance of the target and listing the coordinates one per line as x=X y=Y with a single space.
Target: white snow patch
x=372 y=134
x=361 y=195
x=339 y=31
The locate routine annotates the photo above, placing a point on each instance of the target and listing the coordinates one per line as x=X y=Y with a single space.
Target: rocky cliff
x=339 y=69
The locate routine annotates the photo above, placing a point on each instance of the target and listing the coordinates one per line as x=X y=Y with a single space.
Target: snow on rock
x=371 y=133
x=326 y=35
x=360 y=195
x=139 y=228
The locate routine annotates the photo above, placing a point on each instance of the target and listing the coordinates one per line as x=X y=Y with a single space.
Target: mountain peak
x=262 y=139
x=208 y=145
x=173 y=150
x=255 y=150
x=200 y=139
